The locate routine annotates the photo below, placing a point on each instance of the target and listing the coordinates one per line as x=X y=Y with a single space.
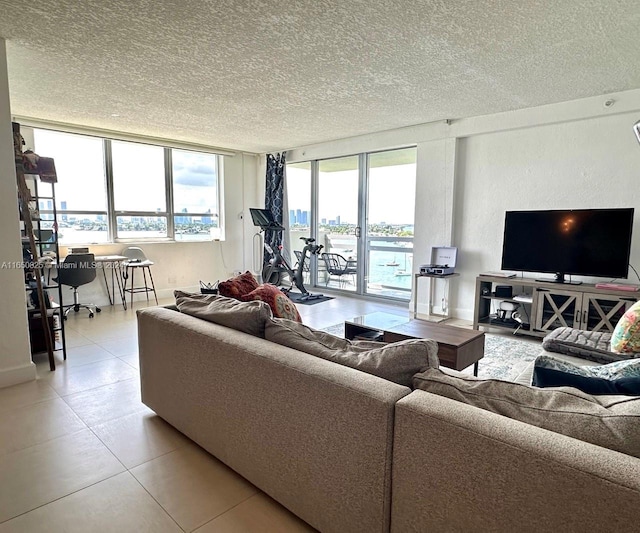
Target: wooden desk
x=458 y=348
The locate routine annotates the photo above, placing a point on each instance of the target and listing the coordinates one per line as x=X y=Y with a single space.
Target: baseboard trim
x=17 y=375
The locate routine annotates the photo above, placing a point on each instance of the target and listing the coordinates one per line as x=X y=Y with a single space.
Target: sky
x=391 y=193
x=138 y=174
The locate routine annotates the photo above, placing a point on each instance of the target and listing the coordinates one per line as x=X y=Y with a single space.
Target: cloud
x=194 y=176
x=197 y=170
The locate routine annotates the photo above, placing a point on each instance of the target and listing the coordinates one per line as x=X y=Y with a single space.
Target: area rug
x=295 y=297
x=505 y=357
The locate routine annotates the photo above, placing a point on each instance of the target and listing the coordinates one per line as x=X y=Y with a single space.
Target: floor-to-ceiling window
x=338 y=221
x=362 y=210
x=391 y=198
x=298 y=182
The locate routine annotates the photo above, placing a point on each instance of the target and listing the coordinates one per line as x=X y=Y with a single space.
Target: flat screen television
x=583 y=242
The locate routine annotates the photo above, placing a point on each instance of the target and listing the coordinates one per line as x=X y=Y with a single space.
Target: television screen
x=584 y=242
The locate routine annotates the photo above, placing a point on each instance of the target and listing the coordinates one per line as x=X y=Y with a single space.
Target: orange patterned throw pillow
x=281 y=306
x=238 y=286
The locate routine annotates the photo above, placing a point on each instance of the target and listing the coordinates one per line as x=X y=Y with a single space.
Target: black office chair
x=337 y=265
x=77 y=270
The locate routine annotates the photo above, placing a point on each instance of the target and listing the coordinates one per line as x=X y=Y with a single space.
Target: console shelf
x=547 y=305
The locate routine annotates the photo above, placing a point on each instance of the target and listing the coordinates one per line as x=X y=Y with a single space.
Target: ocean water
x=383 y=272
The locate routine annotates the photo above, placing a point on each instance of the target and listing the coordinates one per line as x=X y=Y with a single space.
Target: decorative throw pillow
x=396 y=362
x=248 y=317
x=238 y=286
x=609 y=421
x=591 y=345
x=626 y=335
x=621 y=377
x=278 y=301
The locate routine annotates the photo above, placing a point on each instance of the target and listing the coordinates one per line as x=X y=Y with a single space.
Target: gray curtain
x=274 y=198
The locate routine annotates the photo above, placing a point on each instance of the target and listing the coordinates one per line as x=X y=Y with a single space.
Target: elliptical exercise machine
x=278 y=264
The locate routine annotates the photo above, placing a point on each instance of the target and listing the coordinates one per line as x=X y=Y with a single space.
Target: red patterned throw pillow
x=238 y=286
x=281 y=306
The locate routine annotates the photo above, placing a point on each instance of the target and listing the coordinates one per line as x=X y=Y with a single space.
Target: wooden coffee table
x=458 y=348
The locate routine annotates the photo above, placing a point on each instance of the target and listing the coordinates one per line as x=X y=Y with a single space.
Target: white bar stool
x=136 y=258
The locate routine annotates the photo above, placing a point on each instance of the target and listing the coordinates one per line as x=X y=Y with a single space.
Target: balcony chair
x=136 y=259
x=77 y=270
x=337 y=265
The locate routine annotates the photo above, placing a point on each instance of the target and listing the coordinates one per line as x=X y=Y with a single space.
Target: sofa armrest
x=460 y=468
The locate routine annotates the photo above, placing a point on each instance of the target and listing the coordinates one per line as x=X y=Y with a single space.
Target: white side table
x=433 y=317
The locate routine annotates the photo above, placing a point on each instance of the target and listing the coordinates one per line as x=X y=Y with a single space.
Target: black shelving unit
x=44 y=258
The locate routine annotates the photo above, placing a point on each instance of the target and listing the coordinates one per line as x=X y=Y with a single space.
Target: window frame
x=363 y=241
x=170 y=191
x=168 y=214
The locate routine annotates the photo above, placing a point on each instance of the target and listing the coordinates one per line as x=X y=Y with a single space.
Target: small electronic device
x=264 y=219
x=443 y=261
x=504 y=291
x=437 y=270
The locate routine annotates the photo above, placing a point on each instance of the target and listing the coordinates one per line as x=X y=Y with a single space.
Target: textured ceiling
x=266 y=75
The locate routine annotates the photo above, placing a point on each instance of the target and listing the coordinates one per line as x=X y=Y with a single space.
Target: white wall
x=577 y=154
x=579 y=164
x=15 y=359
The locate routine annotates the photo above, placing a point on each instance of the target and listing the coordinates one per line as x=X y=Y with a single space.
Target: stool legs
x=146 y=288
x=153 y=286
x=133 y=270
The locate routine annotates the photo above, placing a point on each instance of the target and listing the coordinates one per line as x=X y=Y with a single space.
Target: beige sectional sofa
x=348 y=451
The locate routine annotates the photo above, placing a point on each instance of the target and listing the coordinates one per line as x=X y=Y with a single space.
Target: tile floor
x=79 y=451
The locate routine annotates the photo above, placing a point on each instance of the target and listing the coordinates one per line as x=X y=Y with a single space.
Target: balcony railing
x=389 y=265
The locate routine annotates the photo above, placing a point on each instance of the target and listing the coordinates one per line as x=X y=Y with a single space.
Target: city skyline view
x=390 y=200
x=138 y=186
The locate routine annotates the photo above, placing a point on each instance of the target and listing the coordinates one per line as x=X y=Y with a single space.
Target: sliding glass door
x=391 y=199
x=298 y=183
x=338 y=222
x=361 y=210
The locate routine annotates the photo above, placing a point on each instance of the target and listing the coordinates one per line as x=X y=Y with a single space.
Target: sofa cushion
x=626 y=335
x=621 y=377
x=609 y=421
x=396 y=362
x=592 y=345
x=238 y=286
x=280 y=304
x=248 y=317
